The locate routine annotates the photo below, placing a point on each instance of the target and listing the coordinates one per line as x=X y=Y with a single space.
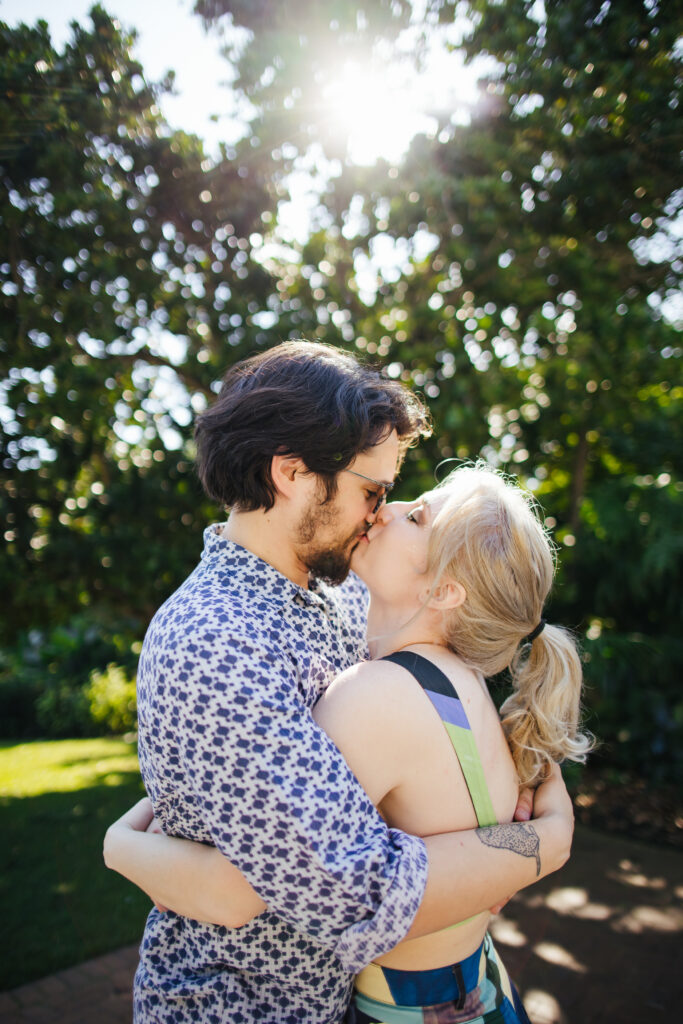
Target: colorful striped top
x=449 y=707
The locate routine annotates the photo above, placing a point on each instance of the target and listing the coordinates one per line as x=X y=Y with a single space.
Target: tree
x=126 y=287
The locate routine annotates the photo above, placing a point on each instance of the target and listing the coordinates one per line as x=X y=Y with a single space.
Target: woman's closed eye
x=419 y=514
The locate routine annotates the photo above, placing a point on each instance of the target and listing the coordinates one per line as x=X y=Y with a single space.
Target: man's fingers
x=552 y=796
x=525 y=805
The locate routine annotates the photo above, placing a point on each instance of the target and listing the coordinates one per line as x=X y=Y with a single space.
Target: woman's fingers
x=138 y=817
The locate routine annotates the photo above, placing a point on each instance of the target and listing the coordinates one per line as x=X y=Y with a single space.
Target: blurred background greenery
x=519 y=264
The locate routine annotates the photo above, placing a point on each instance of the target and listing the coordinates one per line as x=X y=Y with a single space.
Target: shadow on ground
x=599 y=941
x=596 y=943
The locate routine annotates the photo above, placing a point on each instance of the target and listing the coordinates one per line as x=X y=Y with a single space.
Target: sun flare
x=379 y=113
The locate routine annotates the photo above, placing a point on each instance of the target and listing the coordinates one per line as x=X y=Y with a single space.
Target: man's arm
x=231 y=755
x=283 y=807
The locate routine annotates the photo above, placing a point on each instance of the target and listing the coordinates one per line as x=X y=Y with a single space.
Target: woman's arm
x=186 y=877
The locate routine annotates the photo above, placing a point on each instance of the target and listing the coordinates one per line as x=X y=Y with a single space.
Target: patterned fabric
x=230 y=755
x=477 y=990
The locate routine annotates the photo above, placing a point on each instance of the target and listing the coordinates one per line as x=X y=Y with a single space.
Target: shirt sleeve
x=281 y=804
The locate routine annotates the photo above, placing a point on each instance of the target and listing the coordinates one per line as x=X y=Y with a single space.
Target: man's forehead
x=380 y=462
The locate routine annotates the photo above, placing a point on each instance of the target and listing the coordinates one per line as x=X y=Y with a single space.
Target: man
x=302 y=445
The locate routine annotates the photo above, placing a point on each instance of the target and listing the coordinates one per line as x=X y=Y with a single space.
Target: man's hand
x=551 y=798
x=523 y=812
x=525 y=805
x=553 y=803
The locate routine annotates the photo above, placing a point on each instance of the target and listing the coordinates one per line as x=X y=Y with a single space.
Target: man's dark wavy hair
x=300 y=398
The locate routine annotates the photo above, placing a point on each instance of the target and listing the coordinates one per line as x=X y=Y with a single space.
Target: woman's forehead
x=434 y=500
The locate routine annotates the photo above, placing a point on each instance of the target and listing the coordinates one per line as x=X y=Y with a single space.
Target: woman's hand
x=140 y=818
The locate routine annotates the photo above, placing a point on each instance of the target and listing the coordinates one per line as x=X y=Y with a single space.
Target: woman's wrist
x=136 y=819
x=113 y=839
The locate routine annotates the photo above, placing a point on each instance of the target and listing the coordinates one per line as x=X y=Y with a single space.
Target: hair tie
x=534 y=633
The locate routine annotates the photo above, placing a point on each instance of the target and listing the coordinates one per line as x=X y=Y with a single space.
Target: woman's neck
x=391 y=629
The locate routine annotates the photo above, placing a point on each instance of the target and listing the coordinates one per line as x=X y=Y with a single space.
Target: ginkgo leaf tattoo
x=520 y=838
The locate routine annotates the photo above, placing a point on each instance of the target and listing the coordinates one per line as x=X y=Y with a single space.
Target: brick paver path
x=96 y=992
x=597 y=943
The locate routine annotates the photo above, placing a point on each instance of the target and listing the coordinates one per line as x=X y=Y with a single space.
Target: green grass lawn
x=60 y=905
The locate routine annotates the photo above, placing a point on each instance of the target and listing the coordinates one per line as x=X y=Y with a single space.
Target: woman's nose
x=387 y=512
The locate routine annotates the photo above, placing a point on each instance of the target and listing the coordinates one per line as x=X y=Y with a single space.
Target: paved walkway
x=597 y=943
x=96 y=992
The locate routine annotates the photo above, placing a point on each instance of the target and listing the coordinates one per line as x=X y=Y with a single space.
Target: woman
x=457 y=582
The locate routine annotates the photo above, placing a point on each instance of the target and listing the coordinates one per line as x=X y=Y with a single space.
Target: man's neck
x=260 y=533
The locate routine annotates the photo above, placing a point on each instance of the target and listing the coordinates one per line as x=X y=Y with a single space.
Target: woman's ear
x=445 y=596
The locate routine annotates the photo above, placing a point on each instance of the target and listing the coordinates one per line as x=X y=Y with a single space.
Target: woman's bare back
x=395 y=742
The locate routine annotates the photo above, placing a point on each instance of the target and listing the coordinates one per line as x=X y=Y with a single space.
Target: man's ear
x=446 y=596
x=287 y=473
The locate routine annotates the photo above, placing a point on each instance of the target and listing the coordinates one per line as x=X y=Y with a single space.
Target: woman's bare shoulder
x=373 y=681
x=372 y=712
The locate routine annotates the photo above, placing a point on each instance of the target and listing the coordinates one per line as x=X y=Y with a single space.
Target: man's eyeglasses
x=385 y=488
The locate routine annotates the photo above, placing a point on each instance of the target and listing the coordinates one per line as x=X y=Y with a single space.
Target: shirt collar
x=249 y=570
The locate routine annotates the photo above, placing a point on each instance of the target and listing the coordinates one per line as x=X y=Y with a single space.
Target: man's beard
x=333 y=561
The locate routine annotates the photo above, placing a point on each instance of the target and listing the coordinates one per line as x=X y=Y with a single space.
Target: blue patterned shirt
x=230 y=668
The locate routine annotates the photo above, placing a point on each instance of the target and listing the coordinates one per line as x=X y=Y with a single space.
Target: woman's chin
x=356 y=563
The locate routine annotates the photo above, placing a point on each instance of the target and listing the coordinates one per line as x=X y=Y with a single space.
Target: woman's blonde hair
x=488 y=537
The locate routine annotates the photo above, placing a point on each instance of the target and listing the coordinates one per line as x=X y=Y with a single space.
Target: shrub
x=62 y=710
x=111 y=699
x=634 y=704
x=43 y=678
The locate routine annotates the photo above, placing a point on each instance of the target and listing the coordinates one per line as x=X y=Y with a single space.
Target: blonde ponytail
x=541 y=716
x=488 y=538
